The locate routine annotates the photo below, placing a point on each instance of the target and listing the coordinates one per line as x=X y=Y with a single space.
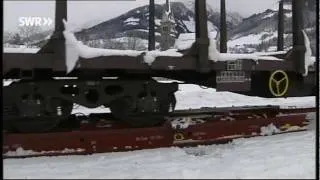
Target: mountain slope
x=135 y=23
x=259 y=31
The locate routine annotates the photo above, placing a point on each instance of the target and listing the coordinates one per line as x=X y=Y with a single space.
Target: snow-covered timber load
x=65 y=71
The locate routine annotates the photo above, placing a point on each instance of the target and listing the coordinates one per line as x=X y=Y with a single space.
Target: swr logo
x=35 y=21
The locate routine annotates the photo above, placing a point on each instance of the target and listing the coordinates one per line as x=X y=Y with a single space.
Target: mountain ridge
x=138 y=24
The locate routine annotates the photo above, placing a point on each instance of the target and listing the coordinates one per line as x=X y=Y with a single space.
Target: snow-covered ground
x=281 y=156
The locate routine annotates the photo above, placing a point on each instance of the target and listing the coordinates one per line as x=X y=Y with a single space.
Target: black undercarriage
x=41 y=105
x=35 y=106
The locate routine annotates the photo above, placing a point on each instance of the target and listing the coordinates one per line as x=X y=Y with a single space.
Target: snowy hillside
x=255 y=33
x=281 y=156
x=135 y=23
x=259 y=31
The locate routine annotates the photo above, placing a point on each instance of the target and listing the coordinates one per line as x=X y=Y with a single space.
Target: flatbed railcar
x=46 y=91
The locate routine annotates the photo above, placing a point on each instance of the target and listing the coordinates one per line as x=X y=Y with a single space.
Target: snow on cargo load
x=76 y=49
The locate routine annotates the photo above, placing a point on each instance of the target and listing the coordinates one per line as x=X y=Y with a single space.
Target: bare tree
x=7 y=36
x=16 y=39
x=112 y=44
x=117 y=45
x=134 y=43
x=263 y=46
x=27 y=32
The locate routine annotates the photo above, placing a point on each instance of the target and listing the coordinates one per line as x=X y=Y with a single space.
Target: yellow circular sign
x=178 y=137
x=278 y=83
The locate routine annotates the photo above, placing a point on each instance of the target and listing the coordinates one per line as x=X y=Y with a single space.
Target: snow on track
x=193 y=96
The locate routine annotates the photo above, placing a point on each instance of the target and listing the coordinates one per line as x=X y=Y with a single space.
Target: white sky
x=82 y=12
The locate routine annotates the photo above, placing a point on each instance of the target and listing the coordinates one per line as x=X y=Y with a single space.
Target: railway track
x=98 y=133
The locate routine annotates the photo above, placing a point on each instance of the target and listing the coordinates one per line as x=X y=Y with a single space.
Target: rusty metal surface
x=238 y=128
x=298 y=110
x=90 y=141
x=246 y=110
x=111 y=136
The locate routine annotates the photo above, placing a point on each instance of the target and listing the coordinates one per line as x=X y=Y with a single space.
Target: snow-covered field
x=281 y=156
